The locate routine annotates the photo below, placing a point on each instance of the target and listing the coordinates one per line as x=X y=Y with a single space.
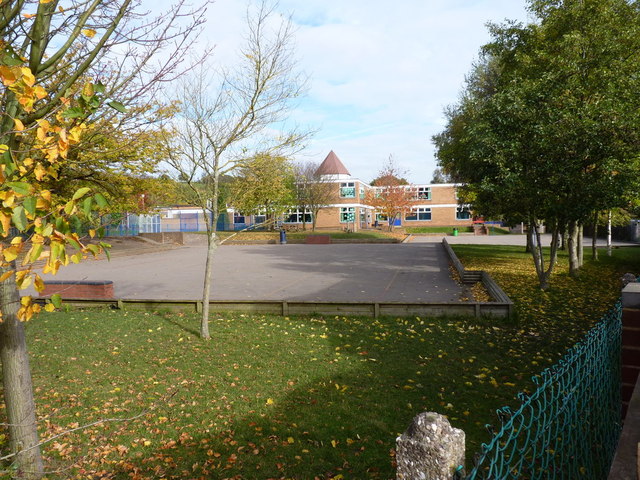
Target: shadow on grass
x=329 y=400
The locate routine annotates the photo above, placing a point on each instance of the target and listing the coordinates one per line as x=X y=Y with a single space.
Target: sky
x=380 y=72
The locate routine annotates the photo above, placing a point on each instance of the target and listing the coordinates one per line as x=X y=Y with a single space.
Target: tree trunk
x=211 y=250
x=206 y=287
x=572 y=243
x=18 y=389
x=580 y=245
x=594 y=239
x=532 y=239
x=537 y=252
x=609 y=234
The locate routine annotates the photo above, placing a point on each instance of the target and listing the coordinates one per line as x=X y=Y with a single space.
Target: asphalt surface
x=335 y=272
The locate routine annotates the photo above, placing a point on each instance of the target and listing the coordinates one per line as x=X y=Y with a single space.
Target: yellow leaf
x=40 y=172
x=6 y=275
x=334 y=443
x=92 y=233
x=10 y=254
x=89 y=32
x=49 y=307
x=45 y=1
x=18 y=125
x=8 y=75
x=38 y=283
x=269 y=401
x=87 y=90
x=27 y=76
x=290 y=440
x=39 y=92
x=5 y=220
x=26 y=300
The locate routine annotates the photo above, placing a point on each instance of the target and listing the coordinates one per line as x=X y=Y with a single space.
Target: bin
x=455 y=232
x=283 y=237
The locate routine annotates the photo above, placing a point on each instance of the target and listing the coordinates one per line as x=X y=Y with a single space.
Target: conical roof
x=332 y=166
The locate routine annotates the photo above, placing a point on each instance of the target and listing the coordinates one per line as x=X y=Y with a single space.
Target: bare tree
x=225 y=118
x=313 y=191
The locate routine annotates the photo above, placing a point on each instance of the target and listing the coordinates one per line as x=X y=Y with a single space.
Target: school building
x=432 y=205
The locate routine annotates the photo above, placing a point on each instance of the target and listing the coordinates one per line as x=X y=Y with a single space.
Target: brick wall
x=79 y=289
x=630 y=353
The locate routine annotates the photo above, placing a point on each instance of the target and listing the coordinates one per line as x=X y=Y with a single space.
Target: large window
x=423 y=193
x=463 y=213
x=418 y=213
x=238 y=218
x=296 y=216
x=347 y=214
x=348 y=190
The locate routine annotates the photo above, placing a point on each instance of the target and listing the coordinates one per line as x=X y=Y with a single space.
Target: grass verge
x=448 y=230
x=273 y=397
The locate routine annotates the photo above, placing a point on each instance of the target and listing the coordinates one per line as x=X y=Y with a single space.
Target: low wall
x=78 y=289
x=469 y=277
x=367 y=309
x=164 y=237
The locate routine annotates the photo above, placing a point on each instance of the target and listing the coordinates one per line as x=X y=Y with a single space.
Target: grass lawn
x=448 y=230
x=368 y=234
x=568 y=308
x=274 y=397
x=268 y=397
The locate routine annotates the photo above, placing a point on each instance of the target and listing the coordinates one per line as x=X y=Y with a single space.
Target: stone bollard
x=430 y=449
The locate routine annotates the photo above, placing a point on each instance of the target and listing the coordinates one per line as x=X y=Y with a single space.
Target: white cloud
x=380 y=72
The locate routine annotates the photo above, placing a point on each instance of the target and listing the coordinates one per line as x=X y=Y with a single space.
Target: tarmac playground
x=409 y=272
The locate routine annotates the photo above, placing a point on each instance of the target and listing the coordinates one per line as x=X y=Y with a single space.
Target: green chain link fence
x=569 y=427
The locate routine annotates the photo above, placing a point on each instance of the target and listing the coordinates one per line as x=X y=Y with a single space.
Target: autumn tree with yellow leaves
x=61 y=64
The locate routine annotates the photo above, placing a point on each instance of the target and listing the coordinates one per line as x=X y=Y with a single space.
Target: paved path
x=360 y=272
x=512 y=239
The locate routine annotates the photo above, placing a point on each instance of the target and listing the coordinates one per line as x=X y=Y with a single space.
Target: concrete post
x=430 y=449
x=630 y=341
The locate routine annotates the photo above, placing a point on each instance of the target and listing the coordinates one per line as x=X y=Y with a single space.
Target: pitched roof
x=332 y=166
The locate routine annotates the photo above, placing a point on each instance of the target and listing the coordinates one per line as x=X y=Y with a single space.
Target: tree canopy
x=547 y=128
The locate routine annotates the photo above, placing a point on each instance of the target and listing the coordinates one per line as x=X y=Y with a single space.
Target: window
x=423 y=193
x=261 y=218
x=296 y=216
x=381 y=217
x=361 y=191
x=348 y=190
x=238 y=218
x=347 y=214
x=463 y=213
x=419 y=213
